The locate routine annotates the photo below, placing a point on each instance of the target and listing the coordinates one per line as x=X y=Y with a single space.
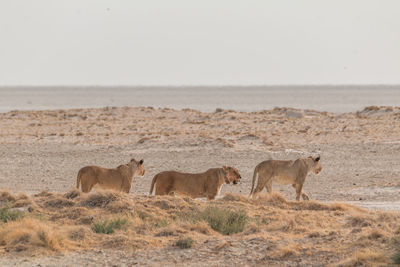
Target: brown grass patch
x=31 y=235
x=99 y=199
x=58 y=203
x=360 y=220
x=72 y=194
x=282 y=231
x=5 y=196
x=235 y=197
x=22 y=203
x=283 y=253
x=366 y=257
x=202 y=228
x=275 y=199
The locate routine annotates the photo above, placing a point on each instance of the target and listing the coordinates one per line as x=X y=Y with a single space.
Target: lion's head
x=316 y=164
x=137 y=167
x=232 y=175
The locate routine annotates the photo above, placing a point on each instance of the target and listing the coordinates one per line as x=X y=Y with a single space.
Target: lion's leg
x=305 y=196
x=85 y=188
x=258 y=189
x=268 y=186
x=86 y=185
x=211 y=197
x=299 y=187
x=126 y=185
x=261 y=183
x=161 y=189
x=91 y=186
x=126 y=189
x=214 y=192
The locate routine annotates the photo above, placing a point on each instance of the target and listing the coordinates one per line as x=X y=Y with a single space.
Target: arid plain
x=43 y=151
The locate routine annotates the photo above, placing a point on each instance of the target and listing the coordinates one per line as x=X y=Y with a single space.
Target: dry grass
x=284 y=252
x=31 y=235
x=366 y=257
x=284 y=231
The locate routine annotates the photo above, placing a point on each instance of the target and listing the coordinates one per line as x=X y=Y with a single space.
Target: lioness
x=284 y=172
x=207 y=184
x=119 y=178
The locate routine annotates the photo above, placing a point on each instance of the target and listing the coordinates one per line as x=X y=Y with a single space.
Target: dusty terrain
x=43 y=150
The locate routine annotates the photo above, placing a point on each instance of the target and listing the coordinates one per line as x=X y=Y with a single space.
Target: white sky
x=202 y=42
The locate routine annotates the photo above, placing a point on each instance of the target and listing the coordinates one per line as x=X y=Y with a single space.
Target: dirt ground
x=362 y=173
x=43 y=150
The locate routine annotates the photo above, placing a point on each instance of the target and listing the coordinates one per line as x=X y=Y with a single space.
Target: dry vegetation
x=275 y=230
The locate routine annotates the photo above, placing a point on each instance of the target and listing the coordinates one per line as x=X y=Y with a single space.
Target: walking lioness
x=207 y=184
x=119 y=178
x=284 y=172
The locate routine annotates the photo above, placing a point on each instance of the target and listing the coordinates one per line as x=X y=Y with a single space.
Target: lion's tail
x=78 y=179
x=255 y=176
x=152 y=184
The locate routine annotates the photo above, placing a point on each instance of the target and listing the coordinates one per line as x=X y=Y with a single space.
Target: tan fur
x=119 y=179
x=206 y=184
x=284 y=172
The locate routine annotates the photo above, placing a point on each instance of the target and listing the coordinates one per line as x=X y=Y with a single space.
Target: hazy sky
x=171 y=42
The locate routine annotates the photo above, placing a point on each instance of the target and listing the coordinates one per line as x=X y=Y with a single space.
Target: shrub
x=6 y=214
x=396 y=257
x=109 y=227
x=184 y=243
x=224 y=221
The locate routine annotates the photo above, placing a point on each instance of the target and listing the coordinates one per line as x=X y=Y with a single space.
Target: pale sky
x=202 y=42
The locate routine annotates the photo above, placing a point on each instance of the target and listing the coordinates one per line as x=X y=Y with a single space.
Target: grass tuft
x=396 y=258
x=184 y=243
x=6 y=214
x=224 y=221
x=109 y=227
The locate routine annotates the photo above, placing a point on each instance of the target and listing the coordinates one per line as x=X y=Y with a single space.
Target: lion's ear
x=133 y=160
x=141 y=162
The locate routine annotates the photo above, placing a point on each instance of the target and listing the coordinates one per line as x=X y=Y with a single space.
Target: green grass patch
x=224 y=221
x=109 y=227
x=7 y=214
x=184 y=243
x=396 y=257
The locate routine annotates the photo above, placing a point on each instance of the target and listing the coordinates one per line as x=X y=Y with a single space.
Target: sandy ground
x=43 y=150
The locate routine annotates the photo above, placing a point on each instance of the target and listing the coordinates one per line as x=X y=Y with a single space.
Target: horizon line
x=206 y=85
